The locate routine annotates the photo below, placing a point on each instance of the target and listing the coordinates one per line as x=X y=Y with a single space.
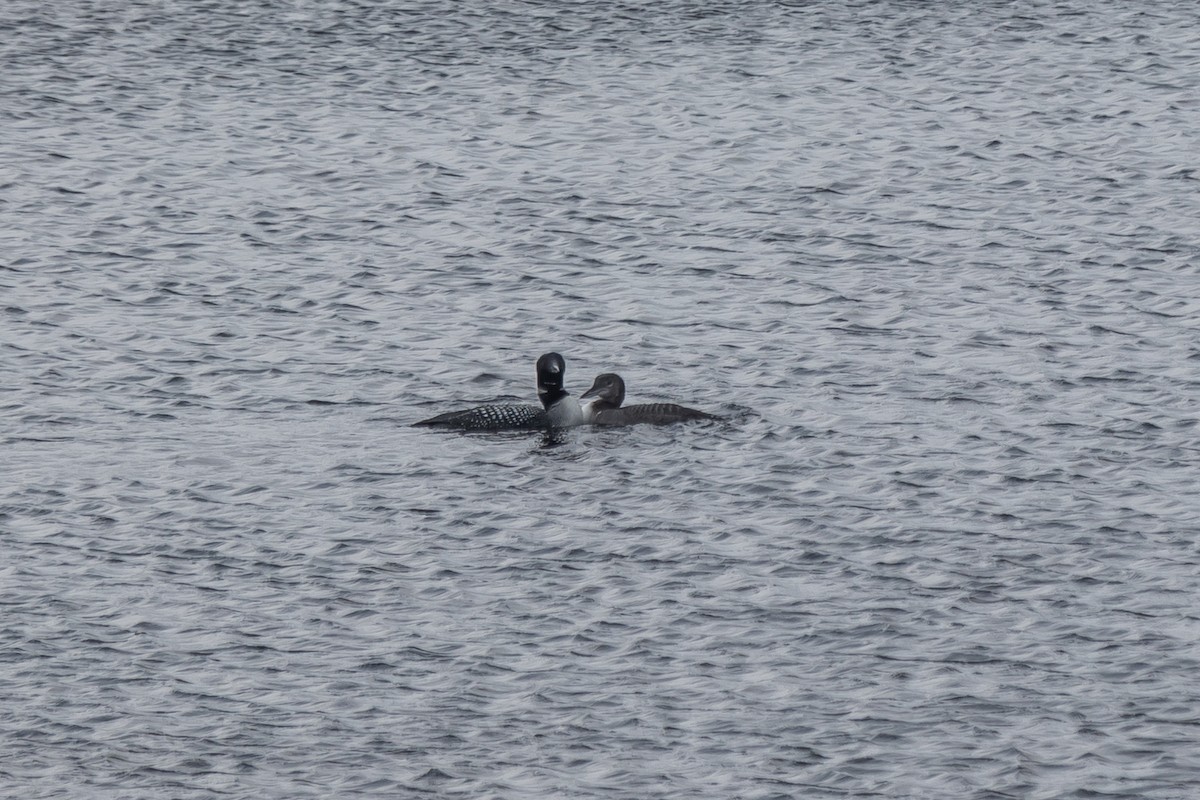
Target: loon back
x=490 y=418
x=609 y=391
x=650 y=414
x=559 y=409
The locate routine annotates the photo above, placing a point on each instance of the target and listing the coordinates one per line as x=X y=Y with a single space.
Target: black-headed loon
x=559 y=409
x=609 y=391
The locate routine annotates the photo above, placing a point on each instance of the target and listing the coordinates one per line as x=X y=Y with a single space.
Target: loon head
x=609 y=390
x=551 y=369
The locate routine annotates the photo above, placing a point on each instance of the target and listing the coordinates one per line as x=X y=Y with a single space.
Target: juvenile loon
x=609 y=391
x=559 y=409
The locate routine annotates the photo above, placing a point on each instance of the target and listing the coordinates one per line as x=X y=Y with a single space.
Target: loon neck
x=551 y=396
x=565 y=412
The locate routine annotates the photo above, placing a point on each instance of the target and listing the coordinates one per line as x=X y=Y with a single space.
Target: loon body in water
x=559 y=409
x=609 y=391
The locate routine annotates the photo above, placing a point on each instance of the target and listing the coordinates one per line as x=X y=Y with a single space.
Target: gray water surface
x=936 y=265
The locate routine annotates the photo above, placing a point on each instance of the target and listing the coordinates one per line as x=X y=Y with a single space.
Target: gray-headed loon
x=609 y=391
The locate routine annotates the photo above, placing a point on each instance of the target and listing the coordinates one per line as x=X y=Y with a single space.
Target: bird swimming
x=559 y=409
x=609 y=391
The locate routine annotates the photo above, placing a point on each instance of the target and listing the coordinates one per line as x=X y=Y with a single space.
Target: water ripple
x=935 y=265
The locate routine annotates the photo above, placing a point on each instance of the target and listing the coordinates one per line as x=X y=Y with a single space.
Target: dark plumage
x=490 y=418
x=609 y=391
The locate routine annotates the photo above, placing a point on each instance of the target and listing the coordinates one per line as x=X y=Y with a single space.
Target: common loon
x=559 y=409
x=609 y=391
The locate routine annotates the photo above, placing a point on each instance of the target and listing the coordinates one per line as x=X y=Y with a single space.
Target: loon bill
x=559 y=409
x=606 y=409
